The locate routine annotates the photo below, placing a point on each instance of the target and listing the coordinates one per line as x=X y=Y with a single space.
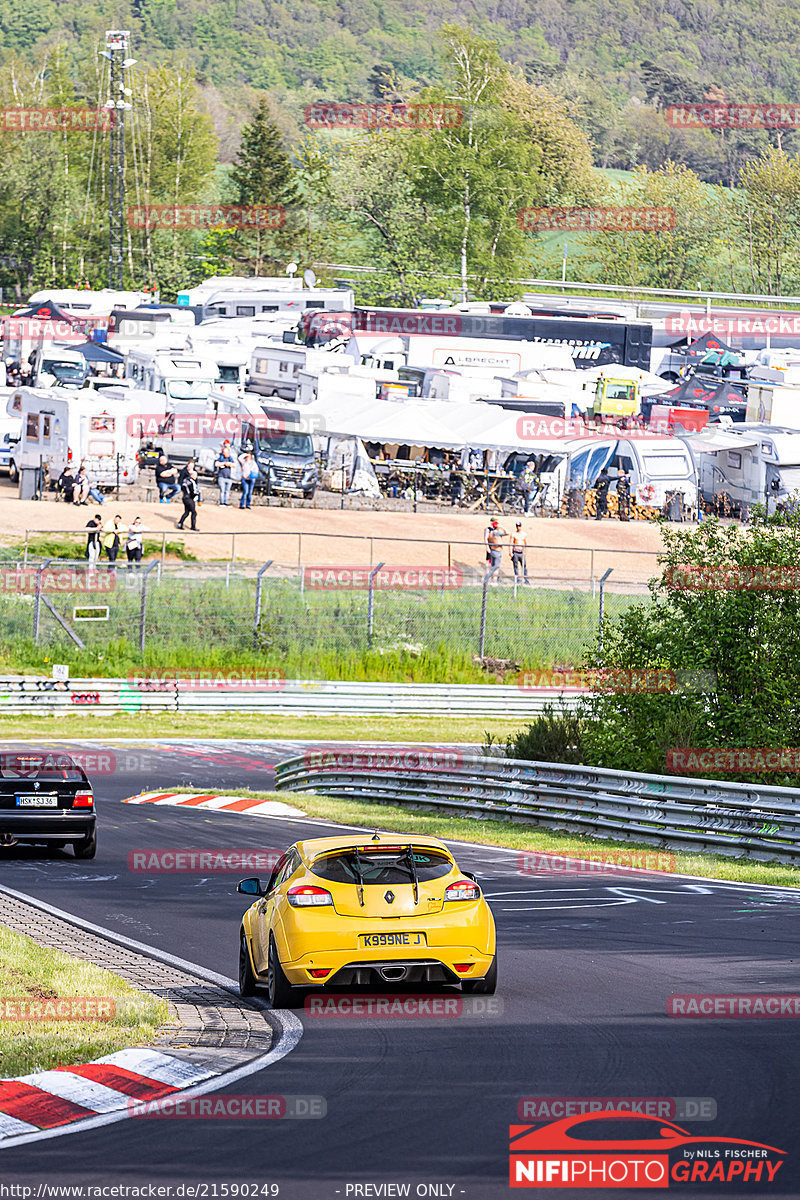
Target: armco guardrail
x=324 y=697
x=734 y=819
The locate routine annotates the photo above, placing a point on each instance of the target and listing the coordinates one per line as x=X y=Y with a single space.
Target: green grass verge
x=218 y=725
x=72 y=548
x=31 y=974
x=518 y=837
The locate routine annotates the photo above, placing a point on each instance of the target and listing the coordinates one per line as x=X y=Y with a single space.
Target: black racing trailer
x=593 y=342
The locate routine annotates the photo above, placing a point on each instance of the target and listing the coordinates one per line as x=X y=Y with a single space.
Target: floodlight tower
x=118 y=104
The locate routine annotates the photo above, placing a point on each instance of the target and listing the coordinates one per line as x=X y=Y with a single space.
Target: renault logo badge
x=388 y=897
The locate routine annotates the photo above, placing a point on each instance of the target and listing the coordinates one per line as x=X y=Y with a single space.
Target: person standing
x=134 y=544
x=602 y=484
x=249 y=476
x=224 y=467
x=166 y=480
x=493 y=537
x=190 y=493
x=519 y=546
x=624 y=495
x=92 y=552
x=112 y=537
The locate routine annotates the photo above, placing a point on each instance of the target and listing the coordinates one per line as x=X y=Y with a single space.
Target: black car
x=46 y=797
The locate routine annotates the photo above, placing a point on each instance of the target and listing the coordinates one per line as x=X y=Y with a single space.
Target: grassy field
x=520 y=837
x=34 y=976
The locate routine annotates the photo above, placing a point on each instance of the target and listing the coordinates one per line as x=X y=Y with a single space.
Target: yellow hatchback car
x=349 y=911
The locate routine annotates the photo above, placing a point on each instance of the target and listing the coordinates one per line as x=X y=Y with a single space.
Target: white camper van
x=60 y=428
x=88 y=303
x=275 y=367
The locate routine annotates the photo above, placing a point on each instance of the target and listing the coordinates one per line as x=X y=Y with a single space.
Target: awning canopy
x=99 y=352
x=710 y=441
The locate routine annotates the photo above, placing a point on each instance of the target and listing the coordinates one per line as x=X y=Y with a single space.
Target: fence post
x=371 y=601
x=37 y=599
x=484 y=604
x=25 y=554
x=163 y=553
x=601 y=611
x=143 y=605
x=257 y=613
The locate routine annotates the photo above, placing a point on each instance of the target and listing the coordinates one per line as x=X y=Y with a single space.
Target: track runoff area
x=644 y=1032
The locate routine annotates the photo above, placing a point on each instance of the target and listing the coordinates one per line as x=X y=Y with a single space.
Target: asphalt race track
x=586 y=966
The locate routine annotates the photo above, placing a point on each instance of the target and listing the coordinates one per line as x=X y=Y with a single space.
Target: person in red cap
x=493 y=537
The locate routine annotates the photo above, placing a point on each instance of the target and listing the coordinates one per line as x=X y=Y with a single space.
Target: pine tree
x=262 y=173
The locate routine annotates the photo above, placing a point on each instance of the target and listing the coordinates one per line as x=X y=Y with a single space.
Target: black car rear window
x=381 y=866
x=50 y=768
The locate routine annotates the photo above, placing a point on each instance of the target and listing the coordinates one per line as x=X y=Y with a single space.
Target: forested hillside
x=618 y=63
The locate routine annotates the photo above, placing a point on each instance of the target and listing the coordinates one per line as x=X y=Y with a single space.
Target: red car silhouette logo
x=663 y=1135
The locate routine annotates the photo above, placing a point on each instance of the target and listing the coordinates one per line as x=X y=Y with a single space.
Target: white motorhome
x=239 y=296
x=60 y=428
x=88 y=303
x=275 y=367
x=658 y=467
x=178 y=373
x=55 y=366
x=148 y=326
x=329 y=383
x=747 y=464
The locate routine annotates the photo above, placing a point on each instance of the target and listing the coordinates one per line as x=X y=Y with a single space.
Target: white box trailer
x=773 y=396
x=60 y=427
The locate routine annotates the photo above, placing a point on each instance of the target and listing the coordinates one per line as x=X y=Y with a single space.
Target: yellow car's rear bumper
x=332 y=943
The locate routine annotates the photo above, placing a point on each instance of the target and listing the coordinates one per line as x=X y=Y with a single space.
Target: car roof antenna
x=376 y=837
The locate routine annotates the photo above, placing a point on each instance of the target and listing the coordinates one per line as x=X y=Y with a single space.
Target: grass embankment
x=72 y=549
x=528 y=838
x=199 y=621
x=35 y=978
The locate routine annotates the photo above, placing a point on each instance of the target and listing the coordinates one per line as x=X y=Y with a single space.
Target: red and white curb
x=211 y=800
x=90 y=1089
x=48 y=1099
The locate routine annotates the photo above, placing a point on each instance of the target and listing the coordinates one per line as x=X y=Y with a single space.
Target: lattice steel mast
x=118 y=105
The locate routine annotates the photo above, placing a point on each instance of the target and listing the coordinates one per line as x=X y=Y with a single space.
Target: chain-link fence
x=309 y=623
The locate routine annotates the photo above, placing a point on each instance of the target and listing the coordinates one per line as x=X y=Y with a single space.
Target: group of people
x=112 y=537
x=170 y=482
x=78 y=487
x=602 y=484
x=517 y=547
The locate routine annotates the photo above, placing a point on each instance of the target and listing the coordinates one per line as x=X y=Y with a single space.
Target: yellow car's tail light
x=462 y=967
x=308 y=896
x=463 y=889
x=319 y=972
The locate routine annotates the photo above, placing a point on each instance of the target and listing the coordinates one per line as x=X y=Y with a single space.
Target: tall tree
x=263 y=174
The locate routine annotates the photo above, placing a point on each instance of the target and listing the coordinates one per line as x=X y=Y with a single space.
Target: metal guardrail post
x=484 y=605
x=371 y=601
x=37 y=600
x=602 y=607
x=143 y=606
x=257 y=612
